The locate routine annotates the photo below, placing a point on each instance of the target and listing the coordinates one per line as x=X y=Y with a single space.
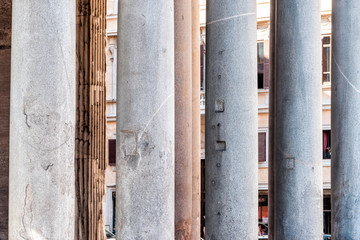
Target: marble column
x=145 y=120
x=345 y=117
x=296 y=141
x=231 y=121
x=183 y=119
x=196 y=121
x=5 y=59
x=42 y=120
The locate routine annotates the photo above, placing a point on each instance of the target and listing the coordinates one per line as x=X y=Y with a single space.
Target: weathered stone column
x=345 y=117
x=296 y=157
x=231 y=120
x=183 y=119
x=196 y=121
x=5 y=59
x=145 y=120
x=42 y=120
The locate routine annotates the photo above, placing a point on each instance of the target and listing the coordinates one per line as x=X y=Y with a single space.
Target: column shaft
x=345 y=115
x=295 y=173
x=42 y=122
x=196 y=121
x=145 y=120
x=5 y=59
x=231 y=120
x=183 y=119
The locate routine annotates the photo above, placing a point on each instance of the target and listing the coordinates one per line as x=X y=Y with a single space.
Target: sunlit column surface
x=231 y=121
x=42 y=122
x=145 y=120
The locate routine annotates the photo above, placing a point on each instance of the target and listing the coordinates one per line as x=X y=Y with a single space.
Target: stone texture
x=90 y=123
x=345 y=115
x=183 y=119
x=42 y=122
x=145 y=120
x=5 y=59
x=231 y=121
x=196 y=121
x=295 y=170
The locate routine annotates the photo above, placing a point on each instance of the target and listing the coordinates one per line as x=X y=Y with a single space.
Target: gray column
x=296 y=155
x=42 y=122
x=345 y=120
x=196 y=121
x=145 y=120
x=231 y=121
x=183 y=119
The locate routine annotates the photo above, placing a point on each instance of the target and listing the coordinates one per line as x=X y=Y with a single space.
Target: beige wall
x=263 y=13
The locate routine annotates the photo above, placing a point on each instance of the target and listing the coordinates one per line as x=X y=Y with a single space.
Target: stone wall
x=5 y=46
x=90 y=131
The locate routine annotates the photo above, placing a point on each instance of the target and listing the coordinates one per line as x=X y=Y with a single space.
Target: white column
x=145 y=120
x=42 y=122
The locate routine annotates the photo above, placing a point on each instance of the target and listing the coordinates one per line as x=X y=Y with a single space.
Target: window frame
x=264 y=164
x=328 y=45
x=326 y=161
x=263 y=63
x=111 y=164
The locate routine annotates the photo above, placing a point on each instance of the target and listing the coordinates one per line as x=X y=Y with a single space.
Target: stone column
x=296 y=155
x=231 y=121
x=145 y=120
x=42 y=120
x=196 y=121
x=183 y=119
x=345 y=115
x=5 y=59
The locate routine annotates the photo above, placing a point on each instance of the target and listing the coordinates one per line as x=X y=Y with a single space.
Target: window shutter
x=262 y=146
x=112 y=152
x=266 y=64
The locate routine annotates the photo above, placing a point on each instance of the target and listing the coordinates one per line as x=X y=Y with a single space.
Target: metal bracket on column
x=219 y=105
x=220 y=146
x=290 y=163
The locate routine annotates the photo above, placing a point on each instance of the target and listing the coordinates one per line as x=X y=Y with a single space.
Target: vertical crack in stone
x=26 y=119
x=27 y=217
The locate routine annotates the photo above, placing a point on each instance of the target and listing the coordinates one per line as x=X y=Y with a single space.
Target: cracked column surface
x=196 y=121
x=145 y=120
x=183 y=119
x=231 y=121
x=295 y=167
x=42 y=122
x=345 y=115
x=5 y=51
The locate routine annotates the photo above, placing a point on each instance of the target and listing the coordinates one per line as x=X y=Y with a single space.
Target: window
x=112 y=152
x=326 y=144
x=202 y=67
x=260 y=61
x=326 y=59
x=263 y=64
x=327 y=214
x=262 y=146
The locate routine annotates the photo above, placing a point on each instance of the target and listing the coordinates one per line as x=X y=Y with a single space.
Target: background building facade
x=263 y=46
